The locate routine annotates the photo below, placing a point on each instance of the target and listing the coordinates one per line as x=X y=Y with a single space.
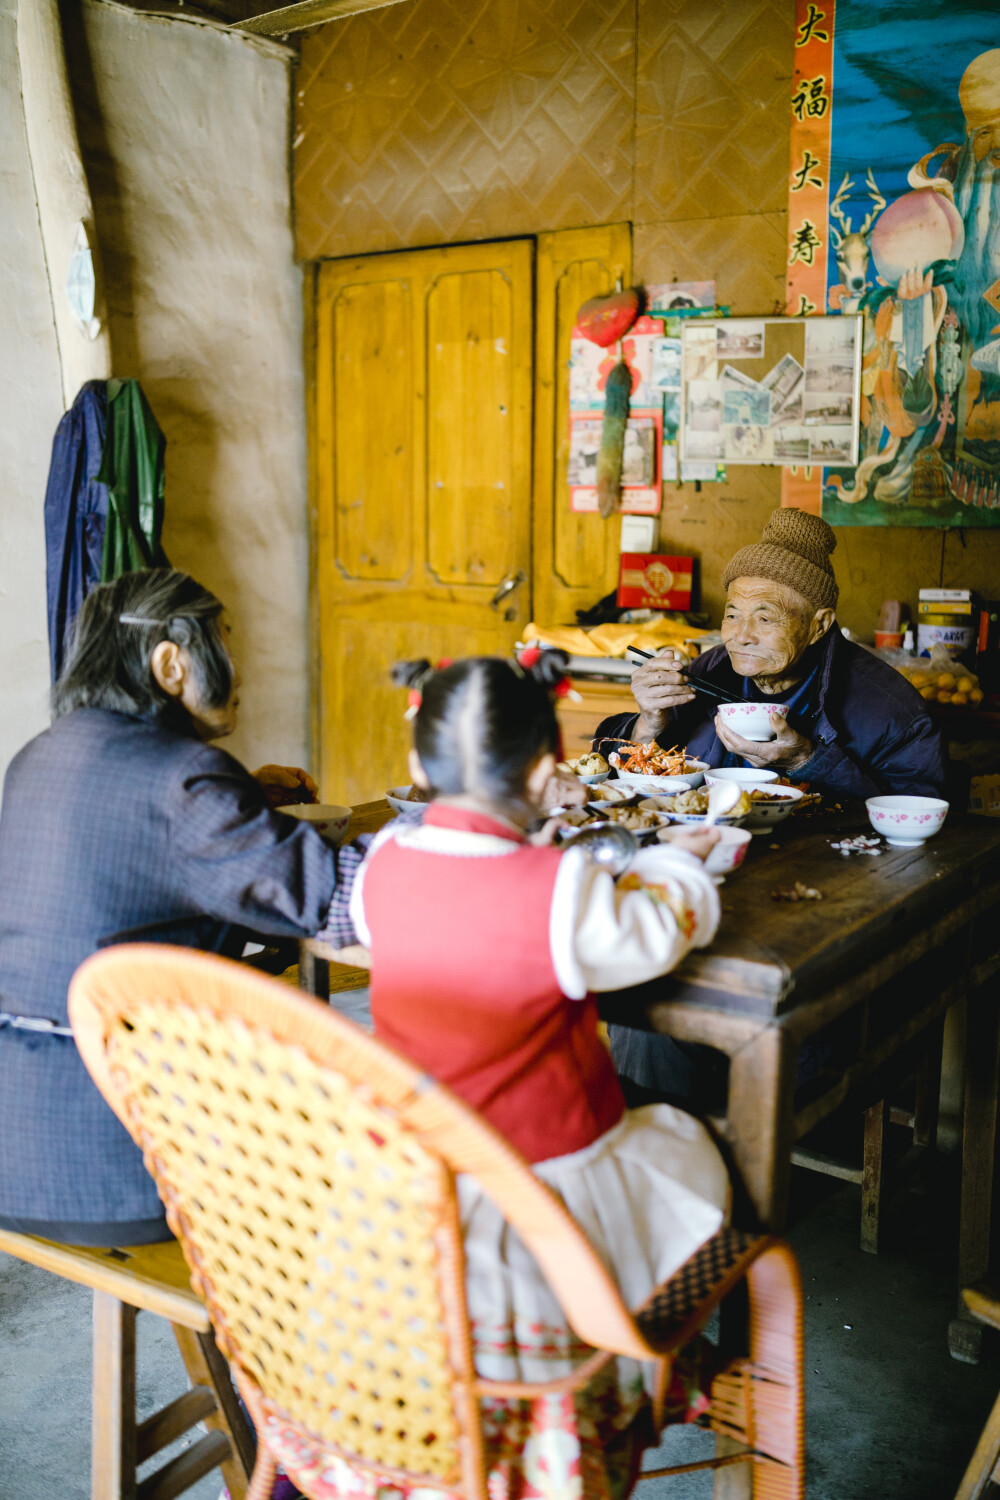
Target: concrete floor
x=890 y=1415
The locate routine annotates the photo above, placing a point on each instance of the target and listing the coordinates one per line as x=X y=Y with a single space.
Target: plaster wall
x=31 y=403
x=184 y=132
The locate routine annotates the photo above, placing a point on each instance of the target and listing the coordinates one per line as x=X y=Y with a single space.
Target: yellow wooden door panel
x=373 y=403
x=575 y=556
x=404 y=566
x=470 y=500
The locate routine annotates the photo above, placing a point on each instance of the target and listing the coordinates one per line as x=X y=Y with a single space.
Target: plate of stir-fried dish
x=650 y=768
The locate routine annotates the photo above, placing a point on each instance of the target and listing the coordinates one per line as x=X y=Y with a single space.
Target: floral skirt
x=647 y=1194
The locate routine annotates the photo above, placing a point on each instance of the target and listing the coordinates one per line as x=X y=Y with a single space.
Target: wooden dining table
x=817 y=1002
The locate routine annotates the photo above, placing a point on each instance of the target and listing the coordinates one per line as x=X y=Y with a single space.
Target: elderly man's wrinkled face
x=767 y=626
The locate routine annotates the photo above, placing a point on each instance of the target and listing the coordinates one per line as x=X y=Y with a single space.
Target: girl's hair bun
x=410 y=674
x=550 y=668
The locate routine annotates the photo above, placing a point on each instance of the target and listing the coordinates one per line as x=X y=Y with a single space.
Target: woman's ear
x=821 y=622
x=418 y=775
x=540 y=775
x=168 y=668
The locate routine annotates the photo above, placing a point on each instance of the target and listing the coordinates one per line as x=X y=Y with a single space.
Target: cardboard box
x=652 y=580
x=984 y=796
x=927 y=607
x=950 y=596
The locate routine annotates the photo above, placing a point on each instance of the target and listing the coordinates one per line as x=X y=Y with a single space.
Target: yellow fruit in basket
x=959 y=700
x=964 y=685
x=944 y=696
x=976 y=696
x=928 y=692
x=946 y=680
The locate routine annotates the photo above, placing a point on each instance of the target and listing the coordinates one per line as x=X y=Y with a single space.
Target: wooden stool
x=150 y=1278
x=872 y=1176
x=983 y=1302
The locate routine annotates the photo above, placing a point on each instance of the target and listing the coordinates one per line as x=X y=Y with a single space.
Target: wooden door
x=576 y=556
x=421 y=438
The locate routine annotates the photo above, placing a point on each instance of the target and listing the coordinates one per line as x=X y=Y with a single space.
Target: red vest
x=463 y=984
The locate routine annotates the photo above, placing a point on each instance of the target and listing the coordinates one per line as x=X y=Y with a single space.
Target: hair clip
x=135 y=620
x=563 y=688
x=414 y=698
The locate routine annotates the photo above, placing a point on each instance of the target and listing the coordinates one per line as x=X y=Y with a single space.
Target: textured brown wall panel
x=436 y=122
x=711 y=108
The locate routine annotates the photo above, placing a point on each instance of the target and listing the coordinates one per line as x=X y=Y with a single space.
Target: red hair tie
x=563 y=688
x=415 y=696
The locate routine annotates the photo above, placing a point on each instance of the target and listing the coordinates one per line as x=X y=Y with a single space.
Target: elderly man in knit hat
x=854 y=728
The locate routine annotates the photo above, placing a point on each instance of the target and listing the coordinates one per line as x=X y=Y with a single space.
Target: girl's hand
x=282 y=785
x=564 y=790
x=697 y=841
x=545 y=835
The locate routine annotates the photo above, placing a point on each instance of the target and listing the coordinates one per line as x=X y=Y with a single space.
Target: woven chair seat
x=674 y=1311
x=309 y=1173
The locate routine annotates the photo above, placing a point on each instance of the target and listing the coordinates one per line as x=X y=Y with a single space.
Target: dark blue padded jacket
x=870 y=730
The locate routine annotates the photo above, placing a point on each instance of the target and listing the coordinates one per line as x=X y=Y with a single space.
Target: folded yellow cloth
x=613 y=640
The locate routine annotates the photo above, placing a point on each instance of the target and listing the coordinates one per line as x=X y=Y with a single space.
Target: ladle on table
x=722 y=798
x=610 y=845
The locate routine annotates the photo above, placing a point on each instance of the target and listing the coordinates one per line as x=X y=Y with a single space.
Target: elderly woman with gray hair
x=124 y=822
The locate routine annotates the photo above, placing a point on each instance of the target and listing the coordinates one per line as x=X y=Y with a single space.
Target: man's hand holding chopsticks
x=658 y=686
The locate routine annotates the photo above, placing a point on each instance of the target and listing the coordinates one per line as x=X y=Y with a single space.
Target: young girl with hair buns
x=486 y=948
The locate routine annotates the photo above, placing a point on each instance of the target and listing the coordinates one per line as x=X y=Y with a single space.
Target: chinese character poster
x=894 y=211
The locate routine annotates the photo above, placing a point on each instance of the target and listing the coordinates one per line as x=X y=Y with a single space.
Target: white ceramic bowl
x=729 y=820
x=730 y=852
x=398 y=799
x=326 y=817
x=592 y=780
x=663 y=786
x=752 y=720
x=744 y=776
x=764 y=815
x=906 y=821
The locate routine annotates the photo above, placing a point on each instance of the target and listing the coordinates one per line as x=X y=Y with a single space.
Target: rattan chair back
x=308 y=1172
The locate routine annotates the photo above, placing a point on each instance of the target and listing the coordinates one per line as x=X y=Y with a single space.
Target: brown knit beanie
x=794 y=549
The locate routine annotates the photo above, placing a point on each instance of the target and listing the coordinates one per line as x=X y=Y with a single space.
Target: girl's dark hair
x=483 y=721
x=118 y=629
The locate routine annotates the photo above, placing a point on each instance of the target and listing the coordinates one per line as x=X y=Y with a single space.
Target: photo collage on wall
x=652 y=349
x=770 y=391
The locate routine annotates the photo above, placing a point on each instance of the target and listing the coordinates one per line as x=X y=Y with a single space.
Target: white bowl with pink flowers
x=906 y=821
x=752 y=720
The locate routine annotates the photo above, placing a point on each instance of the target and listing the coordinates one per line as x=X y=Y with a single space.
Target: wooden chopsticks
x=696 y=684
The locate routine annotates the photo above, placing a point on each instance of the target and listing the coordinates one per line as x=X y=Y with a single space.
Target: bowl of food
x=637 y=820
x=407 y=801
x=648 y=768
x=906 y=822
x=752 y=720
x=691 y=806
x=611 y=792
x=744 y=776
x=591 y=768
x=329 y=820
x=770 y=805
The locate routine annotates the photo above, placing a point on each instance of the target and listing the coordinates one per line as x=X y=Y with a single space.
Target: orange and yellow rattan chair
x=309 y=1173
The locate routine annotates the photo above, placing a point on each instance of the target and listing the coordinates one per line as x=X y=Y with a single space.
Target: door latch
x=510 y=583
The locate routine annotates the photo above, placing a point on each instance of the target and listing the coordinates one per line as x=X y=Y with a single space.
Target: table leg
x=759 y=1122
x=982 y=1058
x=314 y=974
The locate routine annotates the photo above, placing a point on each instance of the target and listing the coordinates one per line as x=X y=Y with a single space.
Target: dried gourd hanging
x=605 y=321
x=609 y=455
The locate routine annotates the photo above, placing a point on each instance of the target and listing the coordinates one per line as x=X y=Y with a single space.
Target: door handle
x=510 y=583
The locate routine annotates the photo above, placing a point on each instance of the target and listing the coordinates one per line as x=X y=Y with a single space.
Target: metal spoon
x=722 y=798
x=611 y=846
